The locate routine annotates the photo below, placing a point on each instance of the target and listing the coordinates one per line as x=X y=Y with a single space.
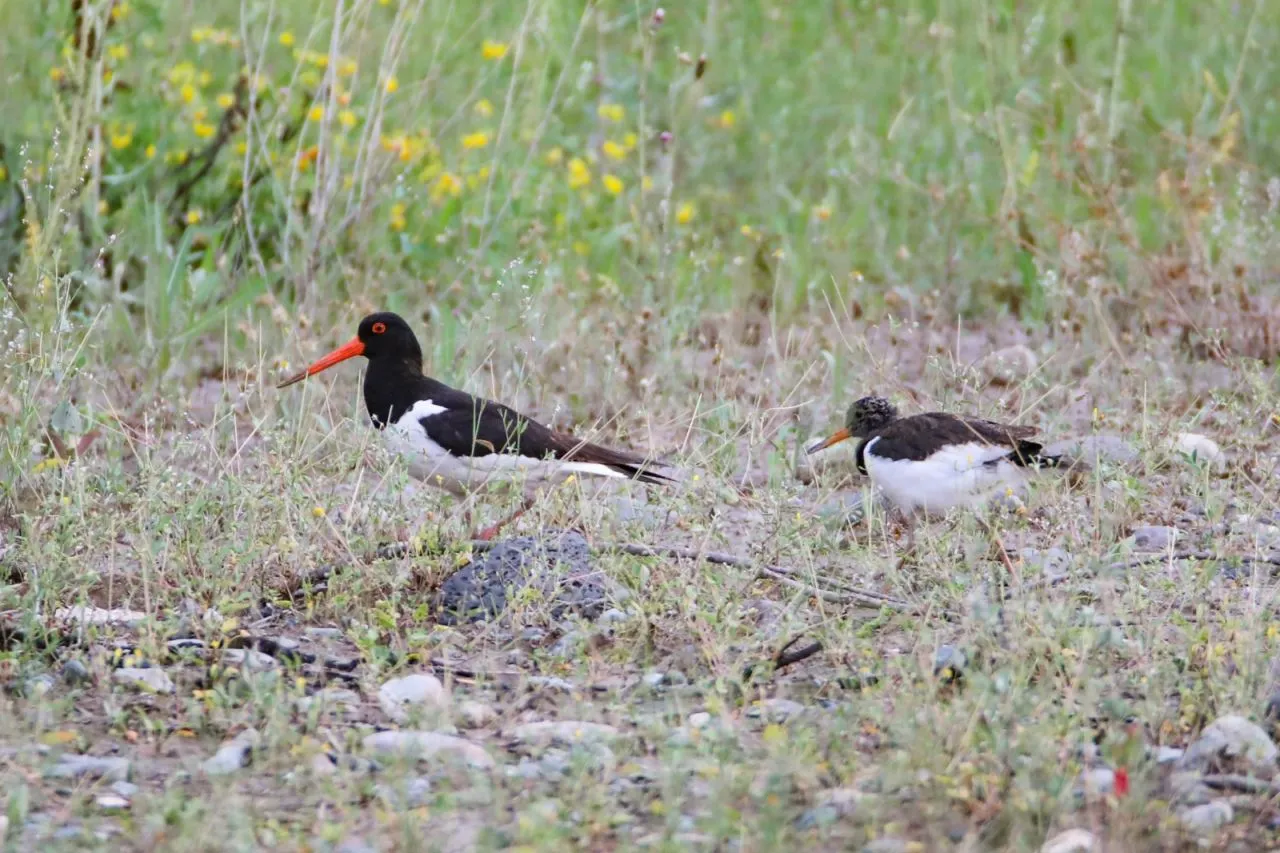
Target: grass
x=702 y=234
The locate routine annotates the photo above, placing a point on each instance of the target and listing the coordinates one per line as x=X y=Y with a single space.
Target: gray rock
x=569 y=645
x=1009 y=365
x=699 y=720
x=557 y=564
x=1207 y=817
x=323 y=632
x=1072 y=841
x=887 y=845
x=151 y=679
x=1096 y=782
x=233 y=754
x=563 y=733
x=1188 y=788
x=89 y=767
x=1168 y=754
x=776 y=710
x=949 y=662
x=407 y=794
x=355 y=844
x=37 y=686
x=427 y=745
x=75 y=673
x=612 y=616
x=111 y=802
x=1155 y=537
x=1232 y=737
x=123 y=788
x=79 y=616
x=398 y=697
x=655 y=679
x=1093 y=449
x=249 y=660
x=1052 y=562
x=551 y=684
x=476 y=715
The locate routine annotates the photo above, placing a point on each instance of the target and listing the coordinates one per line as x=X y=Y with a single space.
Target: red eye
x=379 y=328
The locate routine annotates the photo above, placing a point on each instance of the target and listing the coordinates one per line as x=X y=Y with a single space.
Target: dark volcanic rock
x=558 y=564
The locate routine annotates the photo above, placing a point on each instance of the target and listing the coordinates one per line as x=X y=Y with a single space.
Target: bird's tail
x=1029 y=454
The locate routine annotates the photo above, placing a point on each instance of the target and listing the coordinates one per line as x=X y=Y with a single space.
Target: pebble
x=75 y=672
x=407 y=794
x=37 y=686
x=111 y=802
x=1096 y=782
x=569 y=645
x=399 y=696
x=89 y=767
x=776 y=710
x=1232 y=736
x=1168 y=754
x=1009 y=365
x=1201 y=449
x=124 y=788
x=563 y=733
x=699 y=720
x=1207 y=817
x=418 y=744
x=550 y=683
x=1155 y=537
x=250 y=660
x=233 y=754
x=1052 y=562
x=1072 y=841
x=476 y=715
x=82 y=616
x=323 y=633
x=949 y=662
x=152 y=679
x=613 y=616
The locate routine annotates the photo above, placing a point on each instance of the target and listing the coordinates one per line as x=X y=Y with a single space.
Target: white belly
x=964 y=475
x=431 y=463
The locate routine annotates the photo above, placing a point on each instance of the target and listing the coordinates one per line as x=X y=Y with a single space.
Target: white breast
x=431 y=463
x=959 y=475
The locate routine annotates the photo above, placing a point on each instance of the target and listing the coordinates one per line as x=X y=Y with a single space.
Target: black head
x=382 y=337
x=869 y=415
x=863 y=418
x=387 y=335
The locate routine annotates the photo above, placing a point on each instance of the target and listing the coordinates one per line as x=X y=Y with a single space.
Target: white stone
x=399 y=695
x=415 y=744
x=233 y=754
x=1071 y=841
x=1207 y=817
x=79 y=615
x=476 y=715
x=151 y=678
x=1202 y=448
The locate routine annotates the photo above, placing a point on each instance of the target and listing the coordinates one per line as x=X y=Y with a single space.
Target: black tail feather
x=1028 y=455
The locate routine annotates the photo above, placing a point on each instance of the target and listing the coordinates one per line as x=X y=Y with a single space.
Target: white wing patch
x=430 y=462
x=959 y=475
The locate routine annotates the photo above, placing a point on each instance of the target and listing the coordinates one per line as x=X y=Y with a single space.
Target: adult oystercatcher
x=929 y=463
x=458 y=442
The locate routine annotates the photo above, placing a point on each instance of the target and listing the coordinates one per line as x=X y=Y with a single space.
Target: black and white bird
x=932 y=462
x=459 y=442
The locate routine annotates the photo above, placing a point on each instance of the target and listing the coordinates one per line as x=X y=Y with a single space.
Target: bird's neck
x=392 y=386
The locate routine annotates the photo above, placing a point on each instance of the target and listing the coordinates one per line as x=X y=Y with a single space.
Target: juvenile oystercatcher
x=929 y=463
x=458 y=442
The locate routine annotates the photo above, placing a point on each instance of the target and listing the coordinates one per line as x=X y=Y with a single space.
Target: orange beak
x=836 y=437
x=350 y=349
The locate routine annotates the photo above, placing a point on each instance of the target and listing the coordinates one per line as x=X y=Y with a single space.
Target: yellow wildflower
x=188 y=93
x=56 y=74
x=204 y=78
x=684 y=213
x=318 y=511
x=118 y=51
x=151 y=151
x=629 y=141
x=121 y=140
x=479 y=139
x=613 y=150
x=554 y=156
x=493 y=50
x=4 y=172
x=225 y=100
x=822 y=213
x=397 y=217
x=120 y=11
x=317 y=113
x=347 y=119
x=286 y=38
x=194 y=216
x=392 y=84
x=646 y=183
x=241 y=148
x=579 y=173
x=348 y=67
x=612 y=184
x=204 y=130
x=581 y=247
x=446 y=185
x=484 y=107
x=612 y=112
x=728 y=119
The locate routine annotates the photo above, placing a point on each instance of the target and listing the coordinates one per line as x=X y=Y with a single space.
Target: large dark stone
x=557 y=564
